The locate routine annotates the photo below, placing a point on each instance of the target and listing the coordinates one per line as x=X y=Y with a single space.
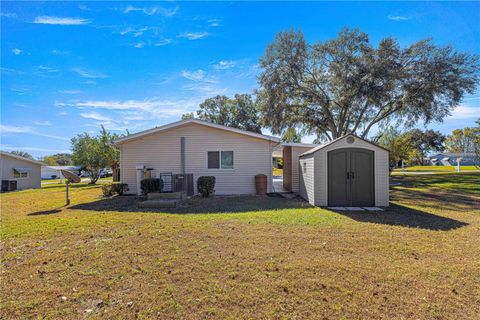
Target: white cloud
x=60 y=52
x=92 y=82
x=193 y=35
x=8 y=15
x=136 y=32
x=6 y=147
x=27 y=130
x=153 y=10
x=215 y=22
x=152 y=108
x=225 y=64
x=64 y=21
x=70 y=91
x=89 y=73
x=11 y=71
x=95 y=116
x=162 y=42
x=465 y=112
x=140 y=45
x=83 y=7
x=397 y=17
x=208 y=89
x=194 y=75
x=16 y=51
x=43 y=123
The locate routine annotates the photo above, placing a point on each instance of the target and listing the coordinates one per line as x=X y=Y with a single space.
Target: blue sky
x=68 y=67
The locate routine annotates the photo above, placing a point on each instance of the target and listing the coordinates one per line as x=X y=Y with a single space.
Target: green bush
x=206 y=185
x=151 y=185
x=109 y=189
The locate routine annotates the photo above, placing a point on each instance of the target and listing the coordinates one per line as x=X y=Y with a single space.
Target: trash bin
x=261 y=184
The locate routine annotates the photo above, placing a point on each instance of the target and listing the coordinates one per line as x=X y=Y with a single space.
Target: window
x=220 y=160
x=19 y=174
x=227 y=160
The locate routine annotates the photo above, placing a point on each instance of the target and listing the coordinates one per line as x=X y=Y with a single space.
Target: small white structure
x=200 y=148
x=346 y=172
x=55 y=172
x=23 y=172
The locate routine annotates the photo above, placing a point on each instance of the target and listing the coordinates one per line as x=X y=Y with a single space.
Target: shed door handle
x=348 y=175
x=353 y=175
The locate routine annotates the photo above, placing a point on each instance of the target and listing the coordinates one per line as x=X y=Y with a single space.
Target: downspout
x=182 y=155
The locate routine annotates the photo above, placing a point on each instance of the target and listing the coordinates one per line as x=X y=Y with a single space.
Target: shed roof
x=7 y=154
x=195 y=121
x=313 y=150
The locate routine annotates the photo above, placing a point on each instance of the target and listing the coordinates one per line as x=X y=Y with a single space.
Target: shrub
x=206 y=185
x=109 y=189
x=151 y=185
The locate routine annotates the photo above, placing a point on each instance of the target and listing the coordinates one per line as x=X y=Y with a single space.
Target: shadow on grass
x=397 y=215
x=46 y=212
x=197 y=205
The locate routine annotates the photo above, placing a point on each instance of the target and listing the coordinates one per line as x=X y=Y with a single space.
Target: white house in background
x=451 y=159
x=18 y=172
x=200 y=148
x=54 y=172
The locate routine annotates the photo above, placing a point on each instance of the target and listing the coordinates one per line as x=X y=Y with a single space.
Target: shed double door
x=350 y=178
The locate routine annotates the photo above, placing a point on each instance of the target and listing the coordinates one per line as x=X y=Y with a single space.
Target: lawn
x=243 y=257
x=277 y=172
x=435 y=168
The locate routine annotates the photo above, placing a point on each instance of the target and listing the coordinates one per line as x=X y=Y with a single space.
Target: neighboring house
x=23 y=172
x=54 y=172
x=450 y=159
x=200 y=148
x=345 y=172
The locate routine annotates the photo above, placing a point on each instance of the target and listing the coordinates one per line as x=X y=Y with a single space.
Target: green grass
x=243 y=257
x=277 y=172
x=435 y=168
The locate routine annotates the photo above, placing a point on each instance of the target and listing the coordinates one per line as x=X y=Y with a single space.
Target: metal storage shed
x=346 y=172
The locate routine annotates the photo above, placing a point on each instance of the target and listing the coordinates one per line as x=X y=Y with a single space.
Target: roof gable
x=194 y=121
x=338 y=139
x=7 y=154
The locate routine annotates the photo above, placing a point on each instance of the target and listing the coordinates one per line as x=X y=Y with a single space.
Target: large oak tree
x=347 y=84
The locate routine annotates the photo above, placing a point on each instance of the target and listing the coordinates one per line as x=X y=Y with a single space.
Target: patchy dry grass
x=243 y=257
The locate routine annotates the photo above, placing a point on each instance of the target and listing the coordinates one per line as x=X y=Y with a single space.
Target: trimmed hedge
x=206 y=185
x=151 y=185
x=109 y=189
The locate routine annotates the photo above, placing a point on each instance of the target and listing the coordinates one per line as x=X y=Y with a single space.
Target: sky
x=69 y=67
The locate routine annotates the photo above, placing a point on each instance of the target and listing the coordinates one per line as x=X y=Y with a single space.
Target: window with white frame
x=220 y=159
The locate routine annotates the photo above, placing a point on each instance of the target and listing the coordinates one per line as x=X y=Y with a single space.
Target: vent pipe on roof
x=182 y=155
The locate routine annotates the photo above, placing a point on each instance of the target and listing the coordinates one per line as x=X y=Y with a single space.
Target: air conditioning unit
x=9 y=185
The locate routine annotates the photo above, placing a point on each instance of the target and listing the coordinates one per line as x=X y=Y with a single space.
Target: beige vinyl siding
x=380 y=169
x=7 y=165
x=161 y=151
x=306 y=181
x=296 y=152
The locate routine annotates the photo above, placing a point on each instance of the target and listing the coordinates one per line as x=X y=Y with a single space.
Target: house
x=450 y=159
x=54 y=172
x=18 y=173
x=345 y=172
x=200 y=148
